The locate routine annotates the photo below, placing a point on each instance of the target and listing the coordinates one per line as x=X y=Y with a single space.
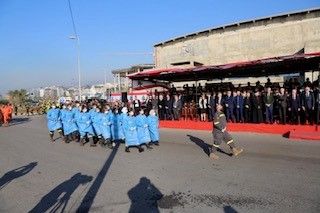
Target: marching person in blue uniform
x=153 y=125
x=95 y=118
x=130 y=130
x=76 y=109
x=84 y=123
x=105 y=123
x=142 y=129
x=116 y=128
x=70 y=128
x=54 y=122
x=220 y=134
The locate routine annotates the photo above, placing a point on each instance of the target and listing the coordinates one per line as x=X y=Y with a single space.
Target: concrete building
x=121 y=81
x=279 y=35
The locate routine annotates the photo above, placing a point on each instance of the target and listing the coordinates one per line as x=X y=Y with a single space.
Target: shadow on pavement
x=59 y=196
x=16 y=121
x=16 y=173
x=229 y=209
x=205 y=147
x=88 y=199
x=144 y=197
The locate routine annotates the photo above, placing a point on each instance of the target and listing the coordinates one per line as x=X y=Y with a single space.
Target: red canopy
x=263 y=67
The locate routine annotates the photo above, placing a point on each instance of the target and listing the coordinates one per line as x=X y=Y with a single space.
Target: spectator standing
x=307 y=105
x=176 y=107
x=268 y=102
x=282 y=106
x=294 y=106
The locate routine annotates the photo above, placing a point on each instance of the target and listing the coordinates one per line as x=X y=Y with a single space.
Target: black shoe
x=148 y=146
x=140 y=149
x=127 y=149
x=156 y=143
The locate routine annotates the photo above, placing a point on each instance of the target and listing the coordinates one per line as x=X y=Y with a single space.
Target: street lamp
x=79 y=73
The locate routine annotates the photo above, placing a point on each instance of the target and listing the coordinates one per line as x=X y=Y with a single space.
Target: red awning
x=263 y=67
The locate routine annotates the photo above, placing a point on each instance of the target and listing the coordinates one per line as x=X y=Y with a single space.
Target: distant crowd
x=293 y=103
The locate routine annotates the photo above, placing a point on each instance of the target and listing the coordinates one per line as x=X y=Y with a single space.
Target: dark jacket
x=307 y=101
x=282 y=100
x=294 y=103
x=238 y=101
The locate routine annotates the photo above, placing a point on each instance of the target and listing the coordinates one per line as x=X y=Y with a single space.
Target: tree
x=17 y=96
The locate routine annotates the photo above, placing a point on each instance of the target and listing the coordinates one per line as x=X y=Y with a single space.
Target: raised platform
x=293 y=131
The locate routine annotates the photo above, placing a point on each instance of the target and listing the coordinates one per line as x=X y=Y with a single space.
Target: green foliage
x=17 y=96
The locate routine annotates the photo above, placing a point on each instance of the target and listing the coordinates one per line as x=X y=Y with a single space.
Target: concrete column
x=119 y=82
x=127 y=82
x=114 y=82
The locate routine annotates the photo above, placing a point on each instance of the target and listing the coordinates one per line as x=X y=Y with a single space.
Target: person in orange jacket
x=10 y=108
x=5 y=114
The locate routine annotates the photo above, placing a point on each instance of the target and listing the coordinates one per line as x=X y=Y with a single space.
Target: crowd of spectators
x=292 y=103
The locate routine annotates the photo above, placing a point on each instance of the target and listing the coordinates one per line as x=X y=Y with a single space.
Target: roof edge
x=237 y=24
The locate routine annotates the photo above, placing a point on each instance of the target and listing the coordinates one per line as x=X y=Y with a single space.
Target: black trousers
x=282 y=112
x=308 y=116
x=247 y=115
x=294 y=116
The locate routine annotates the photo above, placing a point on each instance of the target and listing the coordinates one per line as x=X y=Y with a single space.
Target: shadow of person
x=229 y=209
x=205 y=147
x=59 y=197
x=16 y=121
x=144 y=197
x=16 y=173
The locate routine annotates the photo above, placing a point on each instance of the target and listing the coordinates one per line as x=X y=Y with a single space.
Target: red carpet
x=296 y=131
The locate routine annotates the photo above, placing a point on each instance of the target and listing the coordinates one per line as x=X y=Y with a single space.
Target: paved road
x=274 y=174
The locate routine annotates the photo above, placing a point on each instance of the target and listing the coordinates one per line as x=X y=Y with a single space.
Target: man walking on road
x=220 y=134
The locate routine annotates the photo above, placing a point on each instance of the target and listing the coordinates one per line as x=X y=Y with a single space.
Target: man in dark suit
x=307 y=105
x=247 y=108
x=136 y=105
x=161 y=106
x=229 y=103
x=168 y=107
x=238 y=104
x=211 y=106
x=257 y=116
x=268 y=102
x=282 y=106
x=220 y=99
x=176 y=107
x=294 y=106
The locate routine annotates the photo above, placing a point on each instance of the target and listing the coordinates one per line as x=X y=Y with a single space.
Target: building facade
x=280 y=35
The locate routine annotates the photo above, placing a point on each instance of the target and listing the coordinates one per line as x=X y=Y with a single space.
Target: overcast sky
x=35 y=49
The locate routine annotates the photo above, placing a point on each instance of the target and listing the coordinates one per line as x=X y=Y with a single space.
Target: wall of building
x=277 y=36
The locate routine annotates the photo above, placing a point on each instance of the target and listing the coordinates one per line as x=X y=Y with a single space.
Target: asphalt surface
x=274 y=174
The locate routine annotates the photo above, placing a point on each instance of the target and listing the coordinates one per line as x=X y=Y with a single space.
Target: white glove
x=224 y=129
x=109 y=123
x=88 y=122
x=104 y=123
x=146 y=125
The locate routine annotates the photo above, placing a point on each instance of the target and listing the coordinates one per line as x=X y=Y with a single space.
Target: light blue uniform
x=62 y=111
x=84 y=124
x=105 y=123
x=142 y=129
x=53 y=116
x=153 y=123
x=69 y=123
x=95 y=118
x=116 y=128
x=75 y=111
x=131 y=135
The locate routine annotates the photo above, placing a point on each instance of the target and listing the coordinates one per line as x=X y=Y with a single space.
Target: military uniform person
x=220 y=134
